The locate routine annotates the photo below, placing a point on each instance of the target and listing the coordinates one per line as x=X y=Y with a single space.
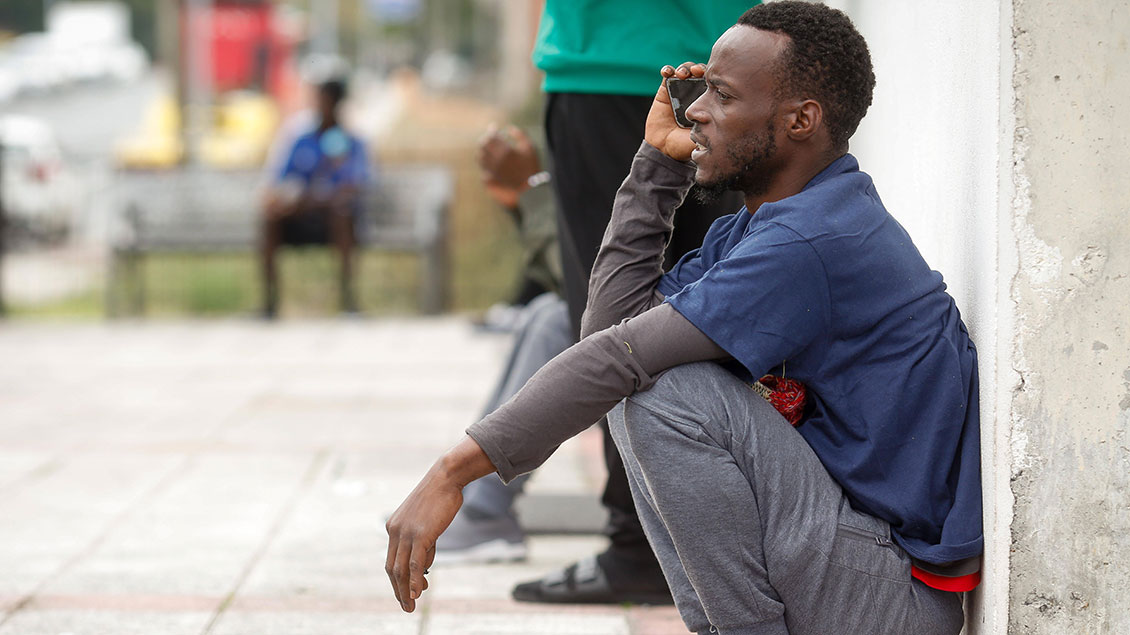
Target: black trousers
x=592 y=139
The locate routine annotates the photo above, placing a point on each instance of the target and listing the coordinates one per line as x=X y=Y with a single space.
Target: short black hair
x=826 y=60
x=335 y=89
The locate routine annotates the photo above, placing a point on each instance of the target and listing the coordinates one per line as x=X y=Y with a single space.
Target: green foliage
x=143 y=25
x=21 y=16
x=86 y=305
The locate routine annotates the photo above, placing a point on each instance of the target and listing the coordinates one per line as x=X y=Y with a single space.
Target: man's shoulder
x=305 y=137
x=837 y=203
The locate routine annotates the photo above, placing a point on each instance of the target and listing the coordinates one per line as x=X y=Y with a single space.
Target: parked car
x=37 y=190
x=10 y=78
x=38 y=63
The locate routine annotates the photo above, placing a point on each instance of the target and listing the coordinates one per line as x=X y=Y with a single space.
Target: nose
x=696 y=112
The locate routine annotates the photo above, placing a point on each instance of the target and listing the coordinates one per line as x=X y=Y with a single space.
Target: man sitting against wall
x=864 y=518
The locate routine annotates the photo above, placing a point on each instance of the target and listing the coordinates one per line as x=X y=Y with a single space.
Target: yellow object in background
x=157 y=145
x=243 y=125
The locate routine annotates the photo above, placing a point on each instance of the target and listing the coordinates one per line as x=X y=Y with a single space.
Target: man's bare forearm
x=630 y=262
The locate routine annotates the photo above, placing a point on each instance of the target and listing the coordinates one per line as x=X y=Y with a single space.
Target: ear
x=804 y=119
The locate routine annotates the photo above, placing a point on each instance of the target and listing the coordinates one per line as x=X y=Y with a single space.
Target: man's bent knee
x=704 y=397
x=681 y=397
x=691 y=391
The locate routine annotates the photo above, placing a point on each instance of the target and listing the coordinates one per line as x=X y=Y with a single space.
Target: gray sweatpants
x=543 y=332
x=753 y=534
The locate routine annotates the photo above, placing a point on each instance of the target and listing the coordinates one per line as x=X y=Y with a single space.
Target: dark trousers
x=592 y=139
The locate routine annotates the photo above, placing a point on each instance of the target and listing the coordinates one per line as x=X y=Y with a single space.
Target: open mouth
x=700 y=148
x=698 y=142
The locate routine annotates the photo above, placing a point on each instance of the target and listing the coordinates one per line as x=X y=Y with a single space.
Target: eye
x=722 y=97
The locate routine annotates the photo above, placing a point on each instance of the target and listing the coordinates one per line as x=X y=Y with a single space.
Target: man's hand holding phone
x=661 y=129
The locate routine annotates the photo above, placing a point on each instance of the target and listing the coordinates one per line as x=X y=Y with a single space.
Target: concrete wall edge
x=990 y=605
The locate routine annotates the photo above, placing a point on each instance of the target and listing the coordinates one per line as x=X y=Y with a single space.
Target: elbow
x=595 y=320
x=591 y=322
x=601 y=315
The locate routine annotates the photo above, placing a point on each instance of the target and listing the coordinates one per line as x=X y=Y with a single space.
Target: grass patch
x=87 y=305
x=211 y=285
x=226 y=284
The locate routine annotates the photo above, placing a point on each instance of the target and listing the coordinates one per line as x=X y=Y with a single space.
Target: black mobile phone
x=683 y=92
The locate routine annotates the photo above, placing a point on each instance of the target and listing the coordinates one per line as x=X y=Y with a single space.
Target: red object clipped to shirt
x=786 y=395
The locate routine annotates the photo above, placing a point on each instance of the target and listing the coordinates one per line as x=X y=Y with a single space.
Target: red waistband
x=945 y=583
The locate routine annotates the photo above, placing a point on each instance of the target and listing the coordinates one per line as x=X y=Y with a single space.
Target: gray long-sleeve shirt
x=629 y=335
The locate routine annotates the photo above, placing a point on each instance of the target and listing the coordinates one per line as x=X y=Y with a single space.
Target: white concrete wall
x=932 y=140
x=1000 y=137
x=1070 y=549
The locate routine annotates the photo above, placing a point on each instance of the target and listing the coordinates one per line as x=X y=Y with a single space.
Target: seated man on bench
x=316 y=196
x=865 y=517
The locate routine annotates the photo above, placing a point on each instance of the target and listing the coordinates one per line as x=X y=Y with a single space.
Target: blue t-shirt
x=324 y=161
x=827 y=284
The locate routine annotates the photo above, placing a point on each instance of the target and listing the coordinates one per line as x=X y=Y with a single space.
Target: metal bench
x=200 y=211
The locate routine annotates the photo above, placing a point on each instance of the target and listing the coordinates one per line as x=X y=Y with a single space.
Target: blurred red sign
x=246 y=49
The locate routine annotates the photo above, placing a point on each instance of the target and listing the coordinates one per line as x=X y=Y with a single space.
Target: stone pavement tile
x=309 y=603
x=140 y=406
x=196 y=536
x=301 y=622
x=9 y=601
x=98 y=601
x=417 y=339
x=16 y=465
x=95 y=622
x=478 y=590
x=23 y=573
x=284 y=423
x=384 y=379
x=332 y=545
x=382 y=478
x=417 y=344
x=545 y=622
x=54 y=516
x=642 y=620
x=235 y=413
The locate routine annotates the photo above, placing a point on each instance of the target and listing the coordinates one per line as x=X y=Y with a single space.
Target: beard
x=750 y=154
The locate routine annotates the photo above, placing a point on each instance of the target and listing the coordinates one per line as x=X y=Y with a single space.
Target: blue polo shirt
x=828 y=285
x=324 y=161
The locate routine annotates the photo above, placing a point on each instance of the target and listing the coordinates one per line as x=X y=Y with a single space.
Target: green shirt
x=618 y=46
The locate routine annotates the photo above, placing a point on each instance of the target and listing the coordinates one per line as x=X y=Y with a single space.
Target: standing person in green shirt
x=601 y=60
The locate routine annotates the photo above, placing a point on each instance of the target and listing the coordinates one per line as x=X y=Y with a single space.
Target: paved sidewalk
x=232 y=478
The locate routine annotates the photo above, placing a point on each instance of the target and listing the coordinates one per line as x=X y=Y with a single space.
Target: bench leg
x=137 y=272
x=125 y=285
x=433 y=279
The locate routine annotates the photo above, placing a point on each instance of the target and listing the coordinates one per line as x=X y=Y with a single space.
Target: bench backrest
x=212 y=210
